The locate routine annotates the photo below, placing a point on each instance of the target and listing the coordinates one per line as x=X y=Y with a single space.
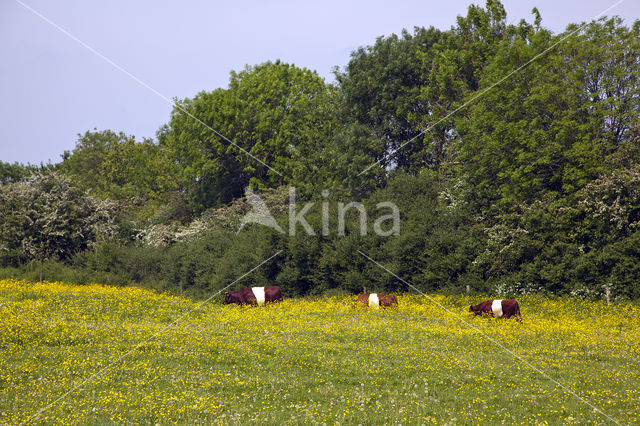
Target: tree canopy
x=257 y=131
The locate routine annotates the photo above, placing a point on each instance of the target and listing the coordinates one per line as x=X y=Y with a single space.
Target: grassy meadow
x=309 y=361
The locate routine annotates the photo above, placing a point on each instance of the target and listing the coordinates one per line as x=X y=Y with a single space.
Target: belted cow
x=254 y=295
x=498 y=308
x=375 y=300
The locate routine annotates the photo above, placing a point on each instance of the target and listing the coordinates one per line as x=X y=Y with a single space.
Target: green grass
x=304 y=361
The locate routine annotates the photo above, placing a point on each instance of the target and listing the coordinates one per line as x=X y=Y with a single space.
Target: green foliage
x=16 y=172
x=381 y=87
x=547 y=128
x=453 y=71
x=342 y=164
x=84 y=163
x=137 y=169
x=274 y=113
x=115 y=166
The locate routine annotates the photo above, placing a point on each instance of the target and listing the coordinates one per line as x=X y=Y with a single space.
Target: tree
x=117 y=167
x=381 y=86
x=339 y=161
x=456 y=71
x=405 y=88
x=548 y=127
x=273 y=113
x=16 y=172
x=137 y=169
x=84 y=164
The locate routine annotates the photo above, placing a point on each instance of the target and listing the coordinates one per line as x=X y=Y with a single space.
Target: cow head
x=228 y=298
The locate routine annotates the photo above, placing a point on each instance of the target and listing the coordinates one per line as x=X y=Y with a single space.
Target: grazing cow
x=498 y=308
x=374 y=300
x=254 y=295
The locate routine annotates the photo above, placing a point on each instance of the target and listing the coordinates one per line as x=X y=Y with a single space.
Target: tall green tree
x=550 y=127
x=406 y=88
x=138 y=169
x=275 y=115
x=16 y=172
x=339 y=163
x=455 y=72
x=116 y=166
x=84 y=164
x=381 y=85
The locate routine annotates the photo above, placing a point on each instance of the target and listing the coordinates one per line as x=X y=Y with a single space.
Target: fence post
x=607 y=293
x=467 y=289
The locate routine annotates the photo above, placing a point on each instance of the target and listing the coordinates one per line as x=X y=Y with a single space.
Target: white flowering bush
x=45 y=217
x=227 y=218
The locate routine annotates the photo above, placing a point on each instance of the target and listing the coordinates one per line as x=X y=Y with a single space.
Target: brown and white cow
x=498 y=308
x=375 y=300
x=254 y=295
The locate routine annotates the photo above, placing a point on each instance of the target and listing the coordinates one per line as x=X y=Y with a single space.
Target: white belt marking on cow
x=496 y=307
x=374 y=302
x=258 y=292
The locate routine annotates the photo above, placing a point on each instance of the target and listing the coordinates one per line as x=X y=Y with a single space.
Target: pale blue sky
x=53 y=88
